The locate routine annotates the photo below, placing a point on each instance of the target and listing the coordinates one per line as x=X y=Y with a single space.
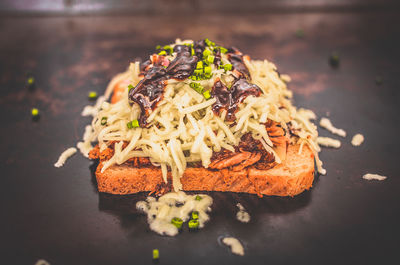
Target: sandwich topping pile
x=197 y=104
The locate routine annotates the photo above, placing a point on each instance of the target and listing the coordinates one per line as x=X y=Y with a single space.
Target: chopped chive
x=162 y=53
x=158 y=47
x=207 y=94
x=199 y=65
x=223 y=49
x=206 y=53
x=176 y=221
x=198 y=72
x=193 y=224
x=210 y=59
x=92 y=95
x=192 y=51
x=209 y=43
x=132 y=124
x=198 y=198
x=207 y=70
x=156 y=254
x=207 y=76
x=35 y=112
x=168 y=49
x=31 y=81
x=195 y=215
x=299 y=33
x=103 y=121
x=194 y=84
x=130 y=87
x=334 y=60
x=228 y=67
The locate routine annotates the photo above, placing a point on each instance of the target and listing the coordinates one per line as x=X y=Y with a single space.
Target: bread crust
x=289 y=178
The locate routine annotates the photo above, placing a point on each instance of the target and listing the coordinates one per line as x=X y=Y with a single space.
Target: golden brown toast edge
x=290 y=178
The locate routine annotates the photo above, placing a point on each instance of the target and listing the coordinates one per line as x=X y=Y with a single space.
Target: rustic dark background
x=71 y=47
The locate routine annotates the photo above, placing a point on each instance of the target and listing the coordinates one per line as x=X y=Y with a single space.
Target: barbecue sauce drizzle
x=150 y=90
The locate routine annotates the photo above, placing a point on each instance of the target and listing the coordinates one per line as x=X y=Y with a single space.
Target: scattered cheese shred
x=327 y=124
x=174 y=204
x=242 y=215
x=42 y=262
x=328 y=142
x=369 y=176
x=234 y=244
x=64 y=156
x=357 y=140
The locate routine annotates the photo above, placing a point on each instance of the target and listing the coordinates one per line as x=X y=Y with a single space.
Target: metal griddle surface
x=58 y=215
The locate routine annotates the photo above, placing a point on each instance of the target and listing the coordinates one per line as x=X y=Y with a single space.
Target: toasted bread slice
x=290 y=178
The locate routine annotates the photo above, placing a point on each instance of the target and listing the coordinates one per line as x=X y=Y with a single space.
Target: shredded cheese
x=328 y=142
x=357 y=140
x=327 y=124
x=64 y=156
x=234 y=244
x=242 y=215
x=42 y=262
x=184 y=129
x=370 y=176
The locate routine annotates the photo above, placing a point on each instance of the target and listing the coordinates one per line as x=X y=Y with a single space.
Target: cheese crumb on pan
x=174 y=205
x=370 y=176
x=64 y=156
x=328 y=142
x=242 y=215
x=234 y=244
x=357 y=140
x=327 y=124
x=42 y=262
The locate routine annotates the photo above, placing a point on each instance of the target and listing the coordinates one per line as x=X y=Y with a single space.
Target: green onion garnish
x=130 y=87
x=209 y=43
x=192 y=51
x=207 y=70
x=35 y=112
x=30 y=81
x=334 y=60
x=158 y=47
x=169 y=49
x=193 y=224
x=195 y=215
x=207 y=94
x=198 y=72
x=176 y=221
x=132 y=124
x=103 y=121
x=223 y=49
x=92 y=95
x=198 y=198
x=228 y=67
x=162 y=53
x=156 y=254
x=210 y=59
x=196 y=86
x=206 y=53
x=199 y=65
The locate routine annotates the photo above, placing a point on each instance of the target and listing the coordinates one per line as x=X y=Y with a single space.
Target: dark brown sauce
x=229 y=99
x=235 y=57
x=150 y=90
